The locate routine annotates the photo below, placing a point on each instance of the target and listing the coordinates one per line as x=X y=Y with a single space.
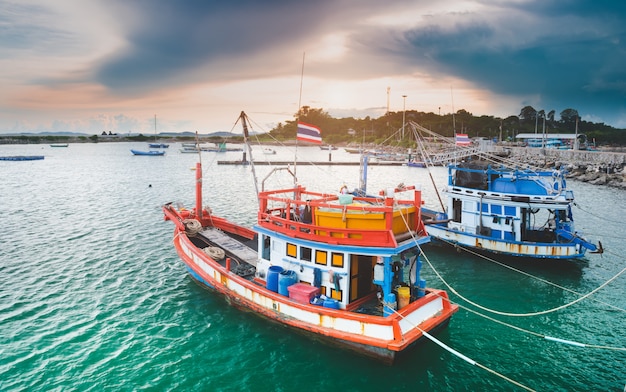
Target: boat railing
x=552 y=181
x=341 y=219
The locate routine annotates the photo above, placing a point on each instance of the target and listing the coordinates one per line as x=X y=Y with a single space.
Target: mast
x=198 y=180
x=295 y=158
x=244 y=123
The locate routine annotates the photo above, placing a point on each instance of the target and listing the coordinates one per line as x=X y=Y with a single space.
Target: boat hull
x=509 y=248
x=382 y=338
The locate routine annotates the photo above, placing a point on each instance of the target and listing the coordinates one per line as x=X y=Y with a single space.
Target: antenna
x=453 y=119
x=388 y=91
x=295 y=158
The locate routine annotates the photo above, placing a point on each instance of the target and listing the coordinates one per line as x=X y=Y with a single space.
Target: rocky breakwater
x=594 y=167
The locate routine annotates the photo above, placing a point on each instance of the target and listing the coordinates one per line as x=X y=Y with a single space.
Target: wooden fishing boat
x=342 y=268
x=148 y=153
x=59 y=145
x=416 y=164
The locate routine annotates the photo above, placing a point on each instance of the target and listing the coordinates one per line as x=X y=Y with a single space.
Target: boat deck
x=230 y=245
x=243 y=255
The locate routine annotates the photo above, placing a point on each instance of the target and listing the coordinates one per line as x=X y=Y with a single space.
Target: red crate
x=303 y=293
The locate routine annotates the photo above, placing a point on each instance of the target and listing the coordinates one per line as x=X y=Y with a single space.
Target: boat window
x=456 y=210
x=321 y=257
x=496 y=209
x=291 y=250
x=305 y=253
x=337 y=259
x=266 y=247
x=336 y=294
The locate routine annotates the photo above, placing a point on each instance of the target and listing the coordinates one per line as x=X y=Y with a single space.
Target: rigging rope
x=597 y=216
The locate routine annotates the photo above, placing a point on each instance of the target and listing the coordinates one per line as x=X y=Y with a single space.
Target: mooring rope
x=462 y=356
x=543 y=281
x=543 y=336
x=540 y=335
x=453 y=290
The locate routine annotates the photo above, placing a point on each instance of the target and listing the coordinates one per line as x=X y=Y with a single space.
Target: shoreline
x=594 y=167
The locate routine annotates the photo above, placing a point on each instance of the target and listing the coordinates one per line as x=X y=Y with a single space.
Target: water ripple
x=93 y=295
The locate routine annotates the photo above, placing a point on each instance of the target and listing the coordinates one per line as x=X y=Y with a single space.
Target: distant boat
x=22 y=158
x=149 y=153
x=157 y=145
x=327 y=147
x=59 y=145
x=415 y=164
x=221 y=148
x=269 y=151
x=189 y=150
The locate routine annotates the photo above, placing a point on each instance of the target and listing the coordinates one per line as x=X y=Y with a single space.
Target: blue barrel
x=286 y=279
x=272 y=277
x=331 y=303
x=421 y=291
x=390 y=305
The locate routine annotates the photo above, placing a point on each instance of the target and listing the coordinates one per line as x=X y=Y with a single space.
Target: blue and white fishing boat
x=508 y=211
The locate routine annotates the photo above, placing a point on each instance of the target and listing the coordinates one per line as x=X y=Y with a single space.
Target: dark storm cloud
x=168 y=41
x=571 y=55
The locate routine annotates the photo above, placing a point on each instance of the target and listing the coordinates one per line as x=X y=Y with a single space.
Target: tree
x=569 y=116
x=528 y=114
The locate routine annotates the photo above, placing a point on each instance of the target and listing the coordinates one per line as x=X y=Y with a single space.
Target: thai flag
x=462 y=139
x=309 y=133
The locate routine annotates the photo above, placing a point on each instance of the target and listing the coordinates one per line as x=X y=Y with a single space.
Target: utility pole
x=403 y=114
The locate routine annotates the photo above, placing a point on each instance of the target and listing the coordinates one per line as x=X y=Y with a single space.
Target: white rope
x=192 y=226
x=462 y=356
x=559 y=340
x=540 y=335
x=534 y=277
x=216 y=253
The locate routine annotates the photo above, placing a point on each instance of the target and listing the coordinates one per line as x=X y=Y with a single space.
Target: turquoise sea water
x=93 y=296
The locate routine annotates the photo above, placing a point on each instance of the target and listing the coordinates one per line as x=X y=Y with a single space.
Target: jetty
x=304 y=163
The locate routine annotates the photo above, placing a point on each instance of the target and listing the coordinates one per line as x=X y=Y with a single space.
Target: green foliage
x=381 y=129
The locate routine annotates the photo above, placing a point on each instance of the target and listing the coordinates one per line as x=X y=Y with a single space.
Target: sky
x=193 y=65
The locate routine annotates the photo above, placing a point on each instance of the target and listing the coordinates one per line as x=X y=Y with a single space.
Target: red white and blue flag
x=309 y=133
x=462 y=139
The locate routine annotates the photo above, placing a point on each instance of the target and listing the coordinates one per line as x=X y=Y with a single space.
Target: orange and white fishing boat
x=340 y=267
